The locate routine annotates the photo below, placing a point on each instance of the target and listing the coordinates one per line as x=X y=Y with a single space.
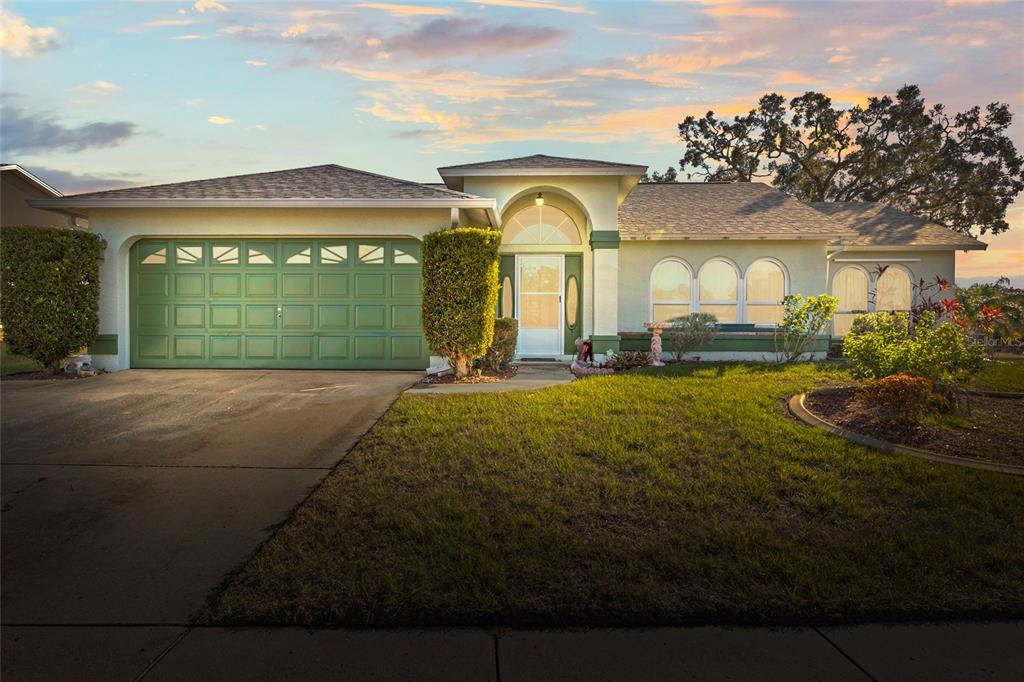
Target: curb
x=800 y=411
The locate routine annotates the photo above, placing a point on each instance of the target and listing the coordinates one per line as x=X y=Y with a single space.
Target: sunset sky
x=99 y=95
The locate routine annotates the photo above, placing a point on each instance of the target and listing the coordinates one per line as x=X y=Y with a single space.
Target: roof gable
x=711 y=210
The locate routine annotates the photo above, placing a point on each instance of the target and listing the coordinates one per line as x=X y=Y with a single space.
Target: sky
x=101 y=95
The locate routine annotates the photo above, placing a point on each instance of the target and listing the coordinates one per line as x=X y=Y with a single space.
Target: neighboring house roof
x=878 y=225
x=714 y=210
x=555 y=165
x=328 y=185
x=30 y=178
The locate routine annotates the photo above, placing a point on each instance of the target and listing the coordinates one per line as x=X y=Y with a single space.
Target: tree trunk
x=462 y=365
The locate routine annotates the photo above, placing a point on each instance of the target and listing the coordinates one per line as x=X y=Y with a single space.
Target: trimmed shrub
x=690 y=333
x=503 y=347
x=631 y=359
x=880 y=344
x=49 y=291
x=900 y=397
x=803 y=319
x=460 y=293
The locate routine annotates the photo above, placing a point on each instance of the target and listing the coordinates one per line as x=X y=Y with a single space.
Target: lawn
x=1001 y=375
x=16 y=364
x=679 y=495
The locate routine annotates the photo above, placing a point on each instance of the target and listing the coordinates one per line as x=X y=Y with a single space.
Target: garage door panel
x=301 y=303
x=191 y=284
x=226 y=285
x=189 y=347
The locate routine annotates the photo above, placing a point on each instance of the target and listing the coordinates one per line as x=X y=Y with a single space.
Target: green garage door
x=282 y=303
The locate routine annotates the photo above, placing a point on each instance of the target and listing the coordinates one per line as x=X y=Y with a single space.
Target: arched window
x=850 y=286
x=719 y=289
x=892 y=290
x=670 y=290
x=766 y=287
x=540 y=225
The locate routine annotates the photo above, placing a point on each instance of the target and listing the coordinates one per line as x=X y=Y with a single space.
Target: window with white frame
x=718 y=288
x=766 y=287
x=892 y=290
x=540 y=225
x=670 y=290
x=850 y=286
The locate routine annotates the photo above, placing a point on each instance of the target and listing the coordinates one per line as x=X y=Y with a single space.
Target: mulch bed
x=41 y=376
x=484 y=377
x=994 y=434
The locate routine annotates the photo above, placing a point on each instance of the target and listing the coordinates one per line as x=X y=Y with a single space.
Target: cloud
x=396 y=9
x=454 y=36
x=193 y=103
x=732 y=10
x=221 y=120
x=789 y=77
x=203 y=5
x=26 y=133
x=296 y=30
x=160 y=23
x=255 y=62
x=190 y=36
x=18 y=39
x=97 y=88
x=536 y=4
x=75 y=183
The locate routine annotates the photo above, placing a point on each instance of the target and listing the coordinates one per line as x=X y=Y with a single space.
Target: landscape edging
x=800 y=411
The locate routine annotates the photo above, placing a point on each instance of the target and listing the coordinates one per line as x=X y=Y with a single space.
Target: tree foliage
x=803 y=319
x=460 y=293
x=960 y=170
x=670 y=175
x=50 y=282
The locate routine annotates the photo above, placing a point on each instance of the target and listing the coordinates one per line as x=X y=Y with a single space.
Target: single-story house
x=17 y=186
x=320 y=267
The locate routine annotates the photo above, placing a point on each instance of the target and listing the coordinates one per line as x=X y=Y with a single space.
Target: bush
x=880 y=344
x=460 y=293
x=690 y=333
x=899 y=397
x=631 y=359
x=49 y=293
x=803 y=319
x=503 y=347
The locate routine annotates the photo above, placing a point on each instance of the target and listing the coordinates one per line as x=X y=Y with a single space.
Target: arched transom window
x=850 y=286
x=719 y=289
x=540 y=225
x=670 y=290
x=766 y=287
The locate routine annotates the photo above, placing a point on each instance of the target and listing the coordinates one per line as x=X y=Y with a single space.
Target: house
x=320 y=267
x=17 y=186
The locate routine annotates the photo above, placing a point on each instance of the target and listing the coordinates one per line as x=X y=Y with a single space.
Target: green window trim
x=604 y=239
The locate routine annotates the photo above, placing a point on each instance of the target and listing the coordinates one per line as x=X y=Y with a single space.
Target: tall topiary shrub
x=460 y=293
x=49 y=291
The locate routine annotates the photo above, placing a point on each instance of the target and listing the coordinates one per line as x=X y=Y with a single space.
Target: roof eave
x=978 y=246
x=72 y=204
x=32 y=179
x=787 y=236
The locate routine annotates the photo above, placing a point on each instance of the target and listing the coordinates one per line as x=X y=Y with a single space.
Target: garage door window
x=225 y=254
x=188 y=254
x=153 y=253
x=371 y=254
x=261 y=255
x=334 y=254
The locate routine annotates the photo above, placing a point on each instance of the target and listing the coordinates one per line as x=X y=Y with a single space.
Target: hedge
x=49 y=291
x=460 y=293
x=503 y=346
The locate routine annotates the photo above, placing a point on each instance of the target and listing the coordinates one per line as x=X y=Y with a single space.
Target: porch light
x=539 y=199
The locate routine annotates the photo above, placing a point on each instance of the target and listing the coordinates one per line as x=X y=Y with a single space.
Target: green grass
x=1001 y=375
x=668 y=496
x=16 y=364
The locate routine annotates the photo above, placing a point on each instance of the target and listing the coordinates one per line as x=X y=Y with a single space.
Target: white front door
x=539 y=283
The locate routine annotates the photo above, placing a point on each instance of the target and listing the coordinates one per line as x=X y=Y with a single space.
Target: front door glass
x=540 y=297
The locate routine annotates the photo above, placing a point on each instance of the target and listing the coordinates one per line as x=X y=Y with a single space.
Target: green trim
x=603 y=342
x=604 y=239
x=105 y=344
x=573 y=268
x=762 y=342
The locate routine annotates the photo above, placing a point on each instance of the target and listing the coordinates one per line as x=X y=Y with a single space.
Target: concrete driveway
x=127 y=497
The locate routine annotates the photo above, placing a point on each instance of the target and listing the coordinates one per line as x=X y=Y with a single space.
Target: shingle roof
x=329 y=181
x=879 y=225
x=539 y=161
x=711 y=210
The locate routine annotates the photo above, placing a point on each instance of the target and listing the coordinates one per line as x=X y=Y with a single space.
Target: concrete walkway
x=531 y=375
x=959 y=651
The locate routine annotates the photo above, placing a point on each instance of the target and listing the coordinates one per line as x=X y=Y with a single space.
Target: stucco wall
x=13 y=209
x=597 y=195
x=123 y=227
x=804 y=262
